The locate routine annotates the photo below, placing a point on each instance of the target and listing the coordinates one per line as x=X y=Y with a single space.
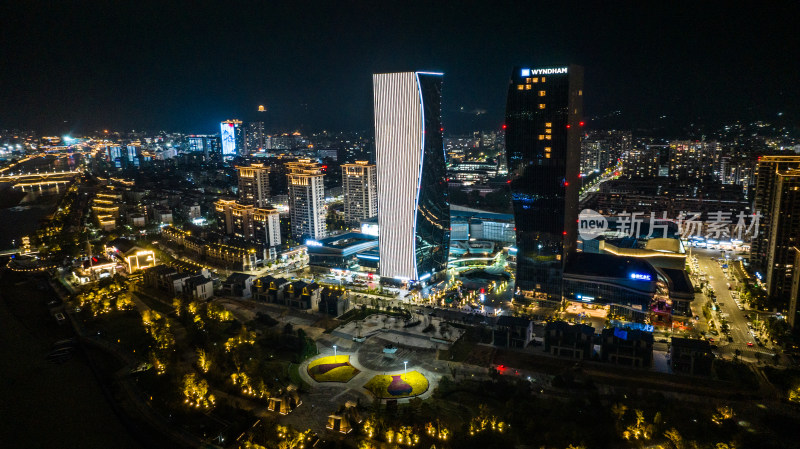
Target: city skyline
x=206 y=72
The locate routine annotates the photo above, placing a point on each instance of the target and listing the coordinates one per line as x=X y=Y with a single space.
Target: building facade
x=253 y=137
x=413 y=207
x=360 y=186
x=232 y=137
x=770 y=249
x=254 y=184
x=543 y=121
x=249 y=222
x=306 y=199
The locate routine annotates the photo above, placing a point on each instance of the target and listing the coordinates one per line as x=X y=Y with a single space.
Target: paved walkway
x=356 y=384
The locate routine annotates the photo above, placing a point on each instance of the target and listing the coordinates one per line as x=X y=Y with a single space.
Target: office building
x=360 y=187
x=232 y=136
x=543 y=121
x=413 y=208
x=253 y=137
x=306 y=199
x=254 y=184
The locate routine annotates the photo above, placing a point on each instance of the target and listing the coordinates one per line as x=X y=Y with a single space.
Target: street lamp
x=405 y=366
x=334 y=352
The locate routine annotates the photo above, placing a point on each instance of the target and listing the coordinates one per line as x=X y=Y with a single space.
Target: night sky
x=71 y=66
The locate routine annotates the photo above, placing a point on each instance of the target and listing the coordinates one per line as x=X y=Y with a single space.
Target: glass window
x=548 y=137
x=541 y=136
x=542 y=93
x=541 y=106
x=547 y=155
x=548 y=124
x=543 y=79
x=520 y=86
x=527 y=87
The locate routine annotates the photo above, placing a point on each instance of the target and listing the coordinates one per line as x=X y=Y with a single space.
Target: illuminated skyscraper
x=360 y=186
x=232 y=137
x=253 y=137
x=254 y=184
x=777 y=199
x=306 y=199
x=543 y=120
x=413 y=208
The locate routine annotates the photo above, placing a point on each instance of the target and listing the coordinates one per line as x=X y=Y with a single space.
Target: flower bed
x=332 y=369
x=394 y=386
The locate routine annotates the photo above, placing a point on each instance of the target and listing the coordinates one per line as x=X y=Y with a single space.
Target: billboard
x=228 y=134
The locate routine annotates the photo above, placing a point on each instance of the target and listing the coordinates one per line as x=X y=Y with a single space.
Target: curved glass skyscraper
x=413 y=209
x=543 y=124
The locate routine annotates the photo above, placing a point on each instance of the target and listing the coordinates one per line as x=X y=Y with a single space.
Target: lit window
x=547 y=149
x=535 y=80
x=542 y=93
x=548 y=124
x=527 y=87
x=580 y=92
x=543 y=79
x=548 y=130
x=520 y=86
x=541 y=106
x=548 y=137
x=547 y=155
x=527 y=80
x=541 y=136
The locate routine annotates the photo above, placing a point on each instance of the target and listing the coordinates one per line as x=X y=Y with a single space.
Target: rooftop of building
x=609 y=266
x=690 y=343
x=566 y=327
x=628 y=334
x=679 y=281
x=513 y=321
x=237 y=278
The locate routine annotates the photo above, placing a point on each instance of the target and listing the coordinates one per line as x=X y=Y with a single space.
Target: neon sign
x=640 y=277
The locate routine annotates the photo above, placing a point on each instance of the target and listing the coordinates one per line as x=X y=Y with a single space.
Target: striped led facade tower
x=413 y=208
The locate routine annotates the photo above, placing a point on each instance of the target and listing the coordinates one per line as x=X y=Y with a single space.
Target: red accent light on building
x=504 y=126
x=441 y=129
x=569 y=126
x=565 y=232
x=581 y=123
x=566 y=184
x=483 y=291
x=508 y=182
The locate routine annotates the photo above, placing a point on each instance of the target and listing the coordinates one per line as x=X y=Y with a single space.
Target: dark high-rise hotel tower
x=543 y=121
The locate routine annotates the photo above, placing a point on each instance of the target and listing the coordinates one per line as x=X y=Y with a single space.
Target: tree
x=675 y=438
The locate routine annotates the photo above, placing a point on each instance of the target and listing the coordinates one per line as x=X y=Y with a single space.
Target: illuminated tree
x=203 y=361
x=721 y=414
x=675 y=438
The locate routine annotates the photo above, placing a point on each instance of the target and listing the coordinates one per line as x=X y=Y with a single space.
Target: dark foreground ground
x=44 y=404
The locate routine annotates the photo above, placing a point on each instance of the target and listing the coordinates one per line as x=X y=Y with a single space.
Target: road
x=737 y=321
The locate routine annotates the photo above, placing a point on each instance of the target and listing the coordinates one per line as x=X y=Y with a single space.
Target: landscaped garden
x=332 y=369
x=395 y=386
